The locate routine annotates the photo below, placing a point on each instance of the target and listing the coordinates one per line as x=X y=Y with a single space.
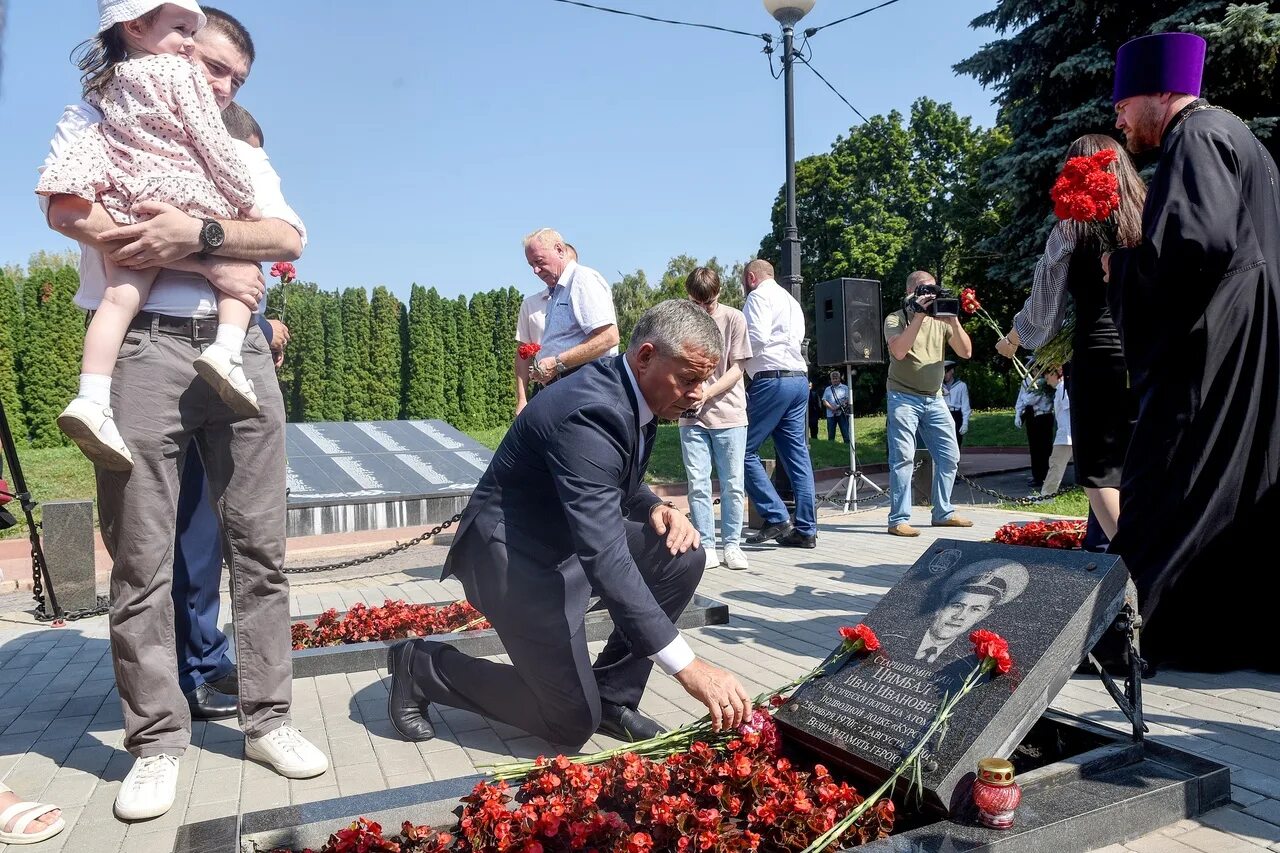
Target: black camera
x=944 y=304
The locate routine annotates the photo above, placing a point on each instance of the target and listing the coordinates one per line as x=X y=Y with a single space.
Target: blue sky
x=421 y=140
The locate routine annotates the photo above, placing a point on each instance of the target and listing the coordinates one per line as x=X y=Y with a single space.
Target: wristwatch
x=212 y=236
x=560 y=367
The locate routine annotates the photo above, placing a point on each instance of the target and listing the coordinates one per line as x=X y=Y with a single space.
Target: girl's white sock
x=96 y=388
x=230 y=336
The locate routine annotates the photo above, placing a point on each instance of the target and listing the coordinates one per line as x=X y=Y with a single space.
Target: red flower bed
x=394 y=620
x=1068 y=535
x=744 y=797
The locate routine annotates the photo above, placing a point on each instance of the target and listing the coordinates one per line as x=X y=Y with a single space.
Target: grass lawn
x=1073 y=504
x=62 y=473
x=53 y=474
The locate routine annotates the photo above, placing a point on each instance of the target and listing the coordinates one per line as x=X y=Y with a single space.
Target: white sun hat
x=112 y=12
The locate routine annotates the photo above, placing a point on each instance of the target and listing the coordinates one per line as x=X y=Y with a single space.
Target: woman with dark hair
x=1102 y=407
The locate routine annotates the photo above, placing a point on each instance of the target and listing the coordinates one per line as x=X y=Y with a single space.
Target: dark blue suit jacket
x=561 y=483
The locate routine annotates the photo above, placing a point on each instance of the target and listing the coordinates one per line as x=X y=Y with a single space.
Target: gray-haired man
x=562 y=513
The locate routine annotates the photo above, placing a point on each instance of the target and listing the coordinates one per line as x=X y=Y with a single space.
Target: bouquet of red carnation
x=1087 y=191
x=969 y=304
x=528 y=351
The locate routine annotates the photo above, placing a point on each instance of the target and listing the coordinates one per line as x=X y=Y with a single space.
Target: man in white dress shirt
x=163 y=407
x=777 y=407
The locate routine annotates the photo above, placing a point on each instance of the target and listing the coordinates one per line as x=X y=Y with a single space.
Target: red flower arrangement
x=1087 y=191
x=741 y=797
x=528 y=351
x=284 y=271
x=394 y=620
x=1067 y=535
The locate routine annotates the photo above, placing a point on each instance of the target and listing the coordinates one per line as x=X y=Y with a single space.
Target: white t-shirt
x=176 y=294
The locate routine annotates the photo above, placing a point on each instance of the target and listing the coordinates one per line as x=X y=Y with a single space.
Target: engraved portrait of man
x=965 y=598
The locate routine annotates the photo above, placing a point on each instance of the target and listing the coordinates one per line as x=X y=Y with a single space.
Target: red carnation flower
x=860 y=632
x=284 y=271
x=992 y=650
x=527 y=351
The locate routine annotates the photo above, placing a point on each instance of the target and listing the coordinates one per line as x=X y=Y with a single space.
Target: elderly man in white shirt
x=530 y=326
x=777 y=406
x=162 y=408
x=581 y=325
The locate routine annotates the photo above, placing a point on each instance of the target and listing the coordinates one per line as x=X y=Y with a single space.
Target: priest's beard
x=1144 y=126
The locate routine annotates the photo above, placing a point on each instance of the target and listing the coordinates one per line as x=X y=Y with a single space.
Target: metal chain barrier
x=377 y=555
x=37 y=587
x=394 y=549
x=1024 y=501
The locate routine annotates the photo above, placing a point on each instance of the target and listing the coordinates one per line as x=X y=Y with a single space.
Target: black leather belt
x=776 y=374
x=191 y=328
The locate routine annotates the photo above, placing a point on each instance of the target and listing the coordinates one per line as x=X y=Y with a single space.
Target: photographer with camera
x=917 y=336
x=838 y=406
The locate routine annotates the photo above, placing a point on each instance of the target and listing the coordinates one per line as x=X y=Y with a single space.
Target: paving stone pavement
x=60 y=719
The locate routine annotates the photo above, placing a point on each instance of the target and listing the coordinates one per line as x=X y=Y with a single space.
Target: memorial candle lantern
x=995 y=793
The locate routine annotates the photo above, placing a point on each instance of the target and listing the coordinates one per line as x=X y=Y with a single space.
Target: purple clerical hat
x=1165 y=62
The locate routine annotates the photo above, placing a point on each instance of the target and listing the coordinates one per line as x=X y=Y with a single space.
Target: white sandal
x=28 y=812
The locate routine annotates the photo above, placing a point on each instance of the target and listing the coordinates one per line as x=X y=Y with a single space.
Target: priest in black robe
x=1198 y=308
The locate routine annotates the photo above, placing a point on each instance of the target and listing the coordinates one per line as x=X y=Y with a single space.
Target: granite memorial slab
x=1051 y=606
x=67 y=538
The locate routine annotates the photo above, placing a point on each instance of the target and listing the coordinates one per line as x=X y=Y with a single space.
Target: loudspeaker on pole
x=848 y=322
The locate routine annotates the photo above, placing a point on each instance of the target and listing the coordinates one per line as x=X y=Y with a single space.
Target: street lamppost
x=788 y=13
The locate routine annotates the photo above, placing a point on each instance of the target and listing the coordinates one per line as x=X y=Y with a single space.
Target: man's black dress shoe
x=796 y=539
x=770 y=531
x=627 y=724
x=209 y=703
x=406 y=705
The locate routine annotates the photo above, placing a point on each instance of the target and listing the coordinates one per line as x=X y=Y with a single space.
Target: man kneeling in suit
x=562 y=513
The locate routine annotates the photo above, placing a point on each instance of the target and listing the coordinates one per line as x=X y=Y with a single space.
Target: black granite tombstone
x=1050 y=605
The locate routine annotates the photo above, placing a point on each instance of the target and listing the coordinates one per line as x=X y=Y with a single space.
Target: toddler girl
x=161 y=138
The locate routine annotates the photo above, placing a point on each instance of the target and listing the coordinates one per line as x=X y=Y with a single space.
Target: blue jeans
x=907 y=413
x=778 y=408
x=698 y=446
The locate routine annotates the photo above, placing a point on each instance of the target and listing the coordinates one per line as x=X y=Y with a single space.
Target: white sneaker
x=288 y=752
x=92 y=427
x=224 y=370
x=149 y=788
x=734 y=558
x=713 y=559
